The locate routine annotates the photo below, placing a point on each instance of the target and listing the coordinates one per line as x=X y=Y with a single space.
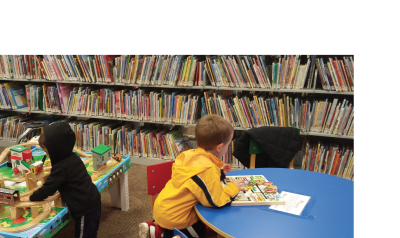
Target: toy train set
x=25 y=165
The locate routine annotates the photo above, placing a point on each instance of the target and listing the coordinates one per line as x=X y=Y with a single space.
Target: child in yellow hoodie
x=196 y=178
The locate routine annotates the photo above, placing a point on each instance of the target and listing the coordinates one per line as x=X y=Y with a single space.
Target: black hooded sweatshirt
x=68 y=173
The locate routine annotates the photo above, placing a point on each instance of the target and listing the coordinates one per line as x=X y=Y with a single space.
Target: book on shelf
x=13 y=96
x=248 y=110
x=171 y=105
x=19 y=67
x=76 y=68
x=255 y=71
x=329 y=158
x=12 y=126
x=336 y=75
x=169 y=70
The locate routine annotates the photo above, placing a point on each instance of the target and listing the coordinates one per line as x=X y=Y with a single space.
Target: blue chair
x=178 y=233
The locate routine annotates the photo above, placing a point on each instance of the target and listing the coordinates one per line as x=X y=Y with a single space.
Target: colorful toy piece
x=36 y=167
x=16 y=155
x=101 y=154
x=27 y=156
x=245 y=187
x=117 y=157
x=15 y=170
x=254 y=182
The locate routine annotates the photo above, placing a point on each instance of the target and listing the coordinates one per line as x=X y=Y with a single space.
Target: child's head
x=213 y=134
x=57 y=140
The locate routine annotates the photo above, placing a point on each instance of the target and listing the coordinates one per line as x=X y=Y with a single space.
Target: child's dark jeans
x=87 y=226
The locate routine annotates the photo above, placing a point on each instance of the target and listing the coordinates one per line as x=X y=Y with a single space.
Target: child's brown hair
x=212 y=130
x=42 y=142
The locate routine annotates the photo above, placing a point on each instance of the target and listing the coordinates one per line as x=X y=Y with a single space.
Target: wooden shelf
x=321 y=91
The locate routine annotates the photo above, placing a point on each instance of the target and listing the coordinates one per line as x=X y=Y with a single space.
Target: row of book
x=329 y=158
x=286 y=72
x=123 y=137
x=79 y=68
x=236 y=71
x=12 y=126
x=172 y=70
x=337 y=75
x=174 y=106
x=247 y=110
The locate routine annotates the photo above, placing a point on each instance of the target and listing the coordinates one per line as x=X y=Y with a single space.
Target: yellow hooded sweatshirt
x=195 y=179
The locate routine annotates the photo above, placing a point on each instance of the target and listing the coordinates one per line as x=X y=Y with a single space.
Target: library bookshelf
x=314 y=90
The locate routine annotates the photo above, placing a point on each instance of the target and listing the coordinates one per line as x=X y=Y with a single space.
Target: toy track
x=32 y=204
x=87 y=161
x=46 y=210
x=30 y=192
x=103 y=169
x=21 y=179
x=45 y=203
x=81 y=152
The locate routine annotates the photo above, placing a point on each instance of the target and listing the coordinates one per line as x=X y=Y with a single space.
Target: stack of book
x=329 y=159
x=125 y=139
x=171 y=70
x=12 y=126
x=79 y=68
x=171 y=106
x=82 y=68
x=337 y=75
x=332 y=117
x=238 y=71
x=12 y=96
x=253 y=72
x=155 y=142
x=288 y=73
x=136 y=104
x=247 y=110
x=19 y=67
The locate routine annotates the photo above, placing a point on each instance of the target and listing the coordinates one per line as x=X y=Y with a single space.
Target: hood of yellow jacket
x=191 y=163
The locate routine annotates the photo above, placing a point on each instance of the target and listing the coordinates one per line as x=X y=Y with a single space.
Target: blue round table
x=329 y=213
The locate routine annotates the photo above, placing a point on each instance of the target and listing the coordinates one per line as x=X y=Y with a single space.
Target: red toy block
x=26 y=154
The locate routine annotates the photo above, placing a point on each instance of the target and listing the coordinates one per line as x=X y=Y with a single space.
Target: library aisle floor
x=114 y=222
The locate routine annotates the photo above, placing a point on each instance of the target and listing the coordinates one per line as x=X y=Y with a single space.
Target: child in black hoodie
x=69 y=176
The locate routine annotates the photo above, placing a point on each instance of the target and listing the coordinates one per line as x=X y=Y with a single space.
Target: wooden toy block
x=17 y=212
x=59 y=202
x=34 y=211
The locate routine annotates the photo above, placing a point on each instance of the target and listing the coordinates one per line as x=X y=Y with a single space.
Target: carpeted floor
x=114 y=222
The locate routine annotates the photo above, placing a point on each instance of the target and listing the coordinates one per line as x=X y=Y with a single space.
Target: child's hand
x=226 y=168
x=239 y=184
x=25 y=199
